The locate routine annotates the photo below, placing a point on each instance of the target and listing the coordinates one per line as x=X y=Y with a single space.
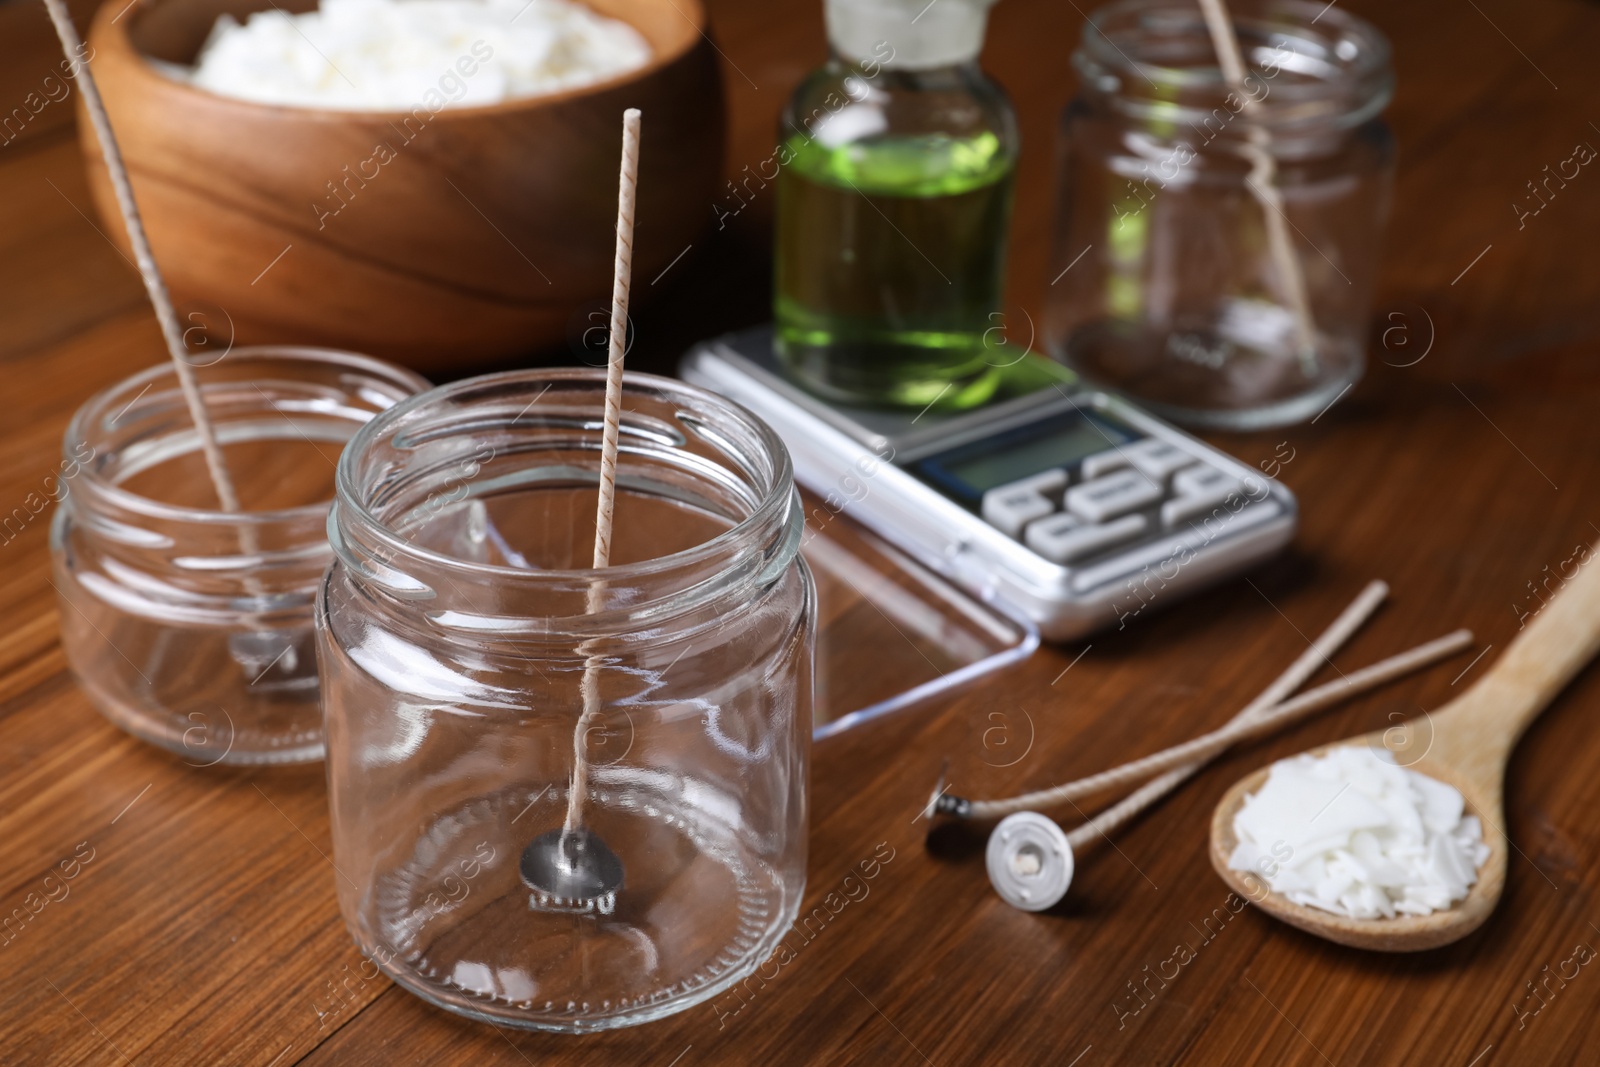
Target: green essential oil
x=890 y=264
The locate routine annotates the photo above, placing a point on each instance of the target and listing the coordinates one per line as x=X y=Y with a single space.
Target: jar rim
x=101 y=403
x=774 y=498
x=1360 y=58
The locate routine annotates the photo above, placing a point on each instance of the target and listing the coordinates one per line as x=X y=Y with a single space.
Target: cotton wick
x=154 y=285
x=1207 y=746
x=1030 y=858
x=621 y=279
x=1263 y=183
x=1183 y=760
x=1269 y=712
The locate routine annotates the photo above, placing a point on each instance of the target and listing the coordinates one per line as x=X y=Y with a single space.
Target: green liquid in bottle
x=890 y=266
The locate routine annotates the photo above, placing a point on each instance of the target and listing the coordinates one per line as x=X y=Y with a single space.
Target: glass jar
x=1216 y=250
x=187 y=626
x=894 y=197
x=455 y=632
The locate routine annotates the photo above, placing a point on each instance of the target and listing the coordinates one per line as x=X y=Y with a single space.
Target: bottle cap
x=1029 y=861
x=907 y=34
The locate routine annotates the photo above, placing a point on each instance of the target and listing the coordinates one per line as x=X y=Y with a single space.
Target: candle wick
x=621 y=279
x=1263 y=183
x=155 y=286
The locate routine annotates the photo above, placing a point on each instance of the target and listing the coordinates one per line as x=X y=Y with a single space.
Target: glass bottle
x=455 y=633
x=1168 y=283
x=188 y=626
x=894 y=198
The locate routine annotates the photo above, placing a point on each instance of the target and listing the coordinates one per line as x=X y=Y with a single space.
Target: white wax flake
x=1355 y=834
x=395 y=55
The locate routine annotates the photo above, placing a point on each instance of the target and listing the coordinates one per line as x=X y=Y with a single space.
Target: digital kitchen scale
x=1065 y=506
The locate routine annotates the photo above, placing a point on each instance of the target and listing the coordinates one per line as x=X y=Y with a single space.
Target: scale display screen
x=969 y=471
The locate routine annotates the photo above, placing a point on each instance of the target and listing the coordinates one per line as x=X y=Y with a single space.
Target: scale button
x=1011 y=507
x=1111 y=496
x=1064 y=538
x=1112 y=459
x=1198 y=489
x=1047 y=483
x=1157 y=459
x=1203 y=478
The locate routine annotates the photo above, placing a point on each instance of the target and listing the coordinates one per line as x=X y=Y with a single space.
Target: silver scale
x=1064 y=506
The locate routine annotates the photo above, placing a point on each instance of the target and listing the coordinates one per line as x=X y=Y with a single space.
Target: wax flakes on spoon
x=1353 y=833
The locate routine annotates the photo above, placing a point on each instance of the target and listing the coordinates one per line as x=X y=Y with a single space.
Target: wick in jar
x=622 y=275
x=1263 y=183
x=155 y=286
x=571 y=869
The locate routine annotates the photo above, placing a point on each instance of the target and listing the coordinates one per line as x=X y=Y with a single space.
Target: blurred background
x=1469 y=118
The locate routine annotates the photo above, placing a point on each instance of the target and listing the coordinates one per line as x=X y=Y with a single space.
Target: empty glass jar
x=1216 y=246
x=455 y=632
x=188 y=626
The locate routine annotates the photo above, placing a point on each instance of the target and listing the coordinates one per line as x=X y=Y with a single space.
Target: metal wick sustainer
x=575 y=873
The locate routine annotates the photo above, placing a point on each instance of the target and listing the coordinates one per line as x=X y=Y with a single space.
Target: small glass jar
x=894 y=198
x=1216 y=251
x=455 y=632
x=188 y=626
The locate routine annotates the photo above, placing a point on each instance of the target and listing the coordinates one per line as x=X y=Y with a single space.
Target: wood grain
x=204 y=931
x=299 y=223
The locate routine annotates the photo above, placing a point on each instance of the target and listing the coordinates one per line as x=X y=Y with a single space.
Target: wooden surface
x=199 y=927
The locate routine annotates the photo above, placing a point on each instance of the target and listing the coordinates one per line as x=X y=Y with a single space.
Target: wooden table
x=201 y=927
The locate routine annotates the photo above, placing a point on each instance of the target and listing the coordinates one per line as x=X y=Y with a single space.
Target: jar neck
x=468 y=512
x=1310 y=70
x=136 y=491
x=963 y=76
x=841 y=105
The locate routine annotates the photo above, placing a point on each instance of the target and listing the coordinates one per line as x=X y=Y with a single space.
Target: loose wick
x=1268 y=712
x=622 y=276
x=154 y=285
x=1319 y=652
x=1263 y=182
x=1195 y=754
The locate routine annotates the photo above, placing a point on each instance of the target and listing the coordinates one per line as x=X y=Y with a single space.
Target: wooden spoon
x=1466 y=744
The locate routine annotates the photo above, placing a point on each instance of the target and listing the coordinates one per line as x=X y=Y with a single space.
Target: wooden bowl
x=461 y=237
